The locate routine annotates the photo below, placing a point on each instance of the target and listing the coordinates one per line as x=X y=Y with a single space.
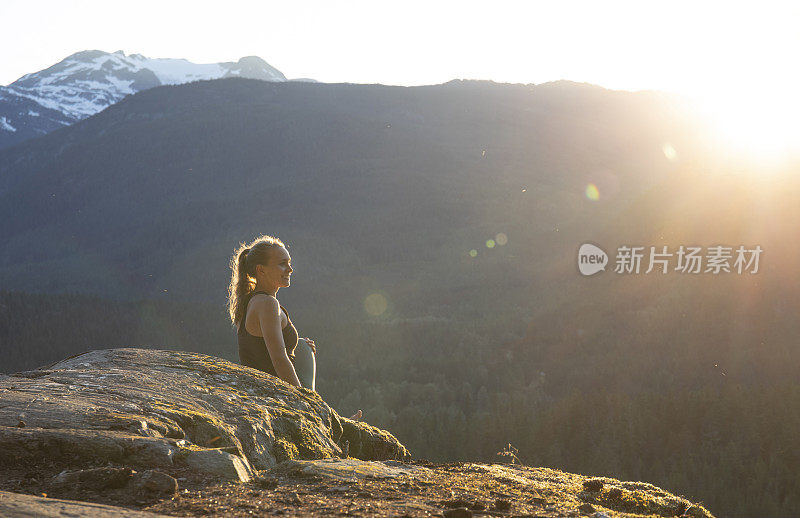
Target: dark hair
x=243 y=272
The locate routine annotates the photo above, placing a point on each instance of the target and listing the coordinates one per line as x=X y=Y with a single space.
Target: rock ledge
x=149 y=408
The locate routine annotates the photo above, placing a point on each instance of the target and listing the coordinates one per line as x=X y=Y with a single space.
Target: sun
x=757 y=125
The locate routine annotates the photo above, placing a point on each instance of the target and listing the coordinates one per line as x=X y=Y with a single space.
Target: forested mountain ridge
x=682 y=380
x=207 y=161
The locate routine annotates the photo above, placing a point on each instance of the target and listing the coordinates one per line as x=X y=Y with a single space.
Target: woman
x=268 y=340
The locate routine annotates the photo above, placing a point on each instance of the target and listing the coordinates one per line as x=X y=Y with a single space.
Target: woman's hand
x=311 y=344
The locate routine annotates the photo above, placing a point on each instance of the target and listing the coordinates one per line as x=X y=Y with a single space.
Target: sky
x=737 y=57
x=676 y=46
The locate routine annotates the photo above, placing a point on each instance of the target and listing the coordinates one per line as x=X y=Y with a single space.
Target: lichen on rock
x=145 y=408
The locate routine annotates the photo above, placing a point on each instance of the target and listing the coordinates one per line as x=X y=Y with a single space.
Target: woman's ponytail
x=239 y=286
x=242 y=283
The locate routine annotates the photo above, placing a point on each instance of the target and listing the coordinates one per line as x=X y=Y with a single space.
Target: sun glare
x=759 y=126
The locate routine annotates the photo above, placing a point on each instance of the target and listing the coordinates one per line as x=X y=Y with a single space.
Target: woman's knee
x=304 y=347
x=305 y=364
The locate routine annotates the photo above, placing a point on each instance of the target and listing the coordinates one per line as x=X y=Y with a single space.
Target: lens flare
x=473 y=253
x=490 y=243
x=669 y=152
x=501 y=239
x=592 y=193
x=375 y=304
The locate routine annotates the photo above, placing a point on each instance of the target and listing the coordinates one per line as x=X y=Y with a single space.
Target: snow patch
x=177 y=71
x=121 y=85
x=67 y=100
x=6 y=126
x=59 y=87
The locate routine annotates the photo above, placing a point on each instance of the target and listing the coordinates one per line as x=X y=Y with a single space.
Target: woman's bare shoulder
x=263 y=303
x=265 y=307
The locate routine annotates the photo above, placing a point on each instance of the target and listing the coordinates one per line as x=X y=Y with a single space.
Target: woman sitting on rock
x=268 y=340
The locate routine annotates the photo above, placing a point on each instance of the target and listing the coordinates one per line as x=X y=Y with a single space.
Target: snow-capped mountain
x=89 y=81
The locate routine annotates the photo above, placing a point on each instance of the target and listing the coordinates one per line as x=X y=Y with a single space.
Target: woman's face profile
x=277 y=272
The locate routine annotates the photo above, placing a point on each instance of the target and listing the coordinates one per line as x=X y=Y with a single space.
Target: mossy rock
x=284 y=450
x=180 y=400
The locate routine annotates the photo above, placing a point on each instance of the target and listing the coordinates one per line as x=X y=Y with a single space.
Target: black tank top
x=253 y=349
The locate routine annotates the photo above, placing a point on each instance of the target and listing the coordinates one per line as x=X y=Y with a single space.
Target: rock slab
x=28 y=506
x=148 y=408
x=352 y=470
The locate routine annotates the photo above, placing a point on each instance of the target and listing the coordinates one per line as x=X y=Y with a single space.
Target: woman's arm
x=269 y=318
